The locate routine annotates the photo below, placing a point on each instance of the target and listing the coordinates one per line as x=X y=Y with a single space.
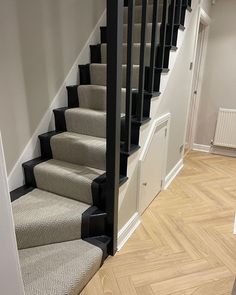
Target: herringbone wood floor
x=185 y=244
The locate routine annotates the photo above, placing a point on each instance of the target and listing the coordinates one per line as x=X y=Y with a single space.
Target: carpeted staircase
x=60 y=213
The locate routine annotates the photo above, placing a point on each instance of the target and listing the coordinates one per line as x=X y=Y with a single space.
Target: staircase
x=66 y=213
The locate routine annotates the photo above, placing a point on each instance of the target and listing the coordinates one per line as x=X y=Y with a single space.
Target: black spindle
x=153 y=46
x=129 y=71
x=114 y=73
x=142 y=62
x=172 y=20
x=163 y=34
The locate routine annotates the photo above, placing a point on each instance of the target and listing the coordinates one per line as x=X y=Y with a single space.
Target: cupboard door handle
x=145 y=183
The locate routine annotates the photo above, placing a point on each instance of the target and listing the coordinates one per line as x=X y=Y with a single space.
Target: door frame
x=164 y=119
x=194 y=101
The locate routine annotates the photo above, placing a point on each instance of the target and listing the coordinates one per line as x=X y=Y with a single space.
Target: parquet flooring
x=185 y=244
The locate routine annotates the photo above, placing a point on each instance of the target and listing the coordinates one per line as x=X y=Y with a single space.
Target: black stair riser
x=60 y=120
x=103 y=34
x=84 y=74
x=72 y=96
x=95 y=54
x=28 y=168
x=46 y=151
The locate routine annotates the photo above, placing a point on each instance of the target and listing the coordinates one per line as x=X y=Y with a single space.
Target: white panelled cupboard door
x=151 y=168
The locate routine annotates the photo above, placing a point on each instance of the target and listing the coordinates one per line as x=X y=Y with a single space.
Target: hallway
x=185 y=243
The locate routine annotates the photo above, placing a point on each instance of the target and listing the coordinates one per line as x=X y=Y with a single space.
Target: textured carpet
x=59 y=269
x=43 y=218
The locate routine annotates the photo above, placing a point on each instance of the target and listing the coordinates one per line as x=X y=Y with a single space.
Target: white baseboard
x=127 y=230
x=201 y=148
x=32 y=149
x=173 y=173
x=215 y=150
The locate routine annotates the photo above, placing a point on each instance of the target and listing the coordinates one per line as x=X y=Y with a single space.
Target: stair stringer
x=129 y=192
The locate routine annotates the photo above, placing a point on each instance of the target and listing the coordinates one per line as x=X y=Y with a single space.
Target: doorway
x=200 y=54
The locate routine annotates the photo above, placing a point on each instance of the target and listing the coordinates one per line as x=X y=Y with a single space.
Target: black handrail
x=129 y=75
x=114 y=74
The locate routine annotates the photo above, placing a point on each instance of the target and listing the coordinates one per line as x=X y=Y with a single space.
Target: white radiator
x=225 y=134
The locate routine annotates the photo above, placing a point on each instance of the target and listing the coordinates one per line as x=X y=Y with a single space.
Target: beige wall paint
x=40 y=41
x=219 y=80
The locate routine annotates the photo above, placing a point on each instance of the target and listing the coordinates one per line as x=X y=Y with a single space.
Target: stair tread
x=59 y=269
x=43 y=218
x=67 y=179
x=79 y=149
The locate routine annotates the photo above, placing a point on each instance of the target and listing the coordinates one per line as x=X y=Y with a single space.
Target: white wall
x=176 y=96
x=219 y=80
x=206 y=5
x=40 y=41
x=10 y=275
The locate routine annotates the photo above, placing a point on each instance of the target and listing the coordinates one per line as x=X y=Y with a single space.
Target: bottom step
x=59 y=269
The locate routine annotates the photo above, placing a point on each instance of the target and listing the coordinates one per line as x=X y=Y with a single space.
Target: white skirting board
x=127 y=230
x=201 y=148
x=32 y=149
x=173 y=173
x=215 y=150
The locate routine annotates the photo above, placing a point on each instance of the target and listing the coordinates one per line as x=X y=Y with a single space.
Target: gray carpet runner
x=48 y=220
x=59 y=269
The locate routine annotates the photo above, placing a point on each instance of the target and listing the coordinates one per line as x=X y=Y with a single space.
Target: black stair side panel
x=93 y=223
